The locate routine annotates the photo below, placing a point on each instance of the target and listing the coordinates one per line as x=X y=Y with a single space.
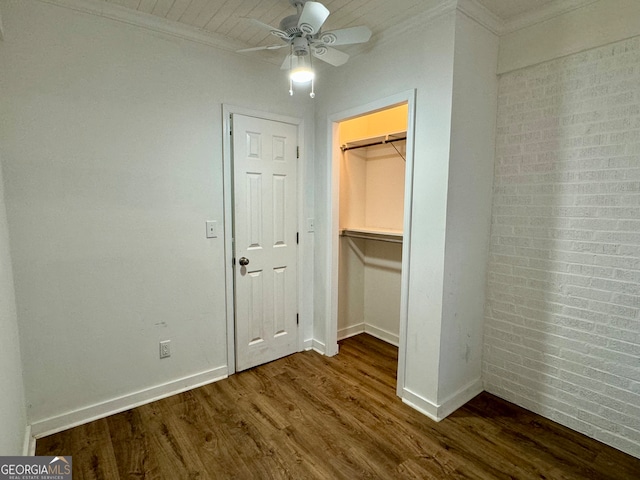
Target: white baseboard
x=29 y=448
x=458 y=399
x=383 y=335
x=420 y=404
x=49 y=426
x=319 y=347
x=379 y=333
x=351 y=331
x=447 y=407
x=307 y=344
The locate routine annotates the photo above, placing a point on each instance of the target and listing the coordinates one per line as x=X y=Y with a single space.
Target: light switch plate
x=212 y=229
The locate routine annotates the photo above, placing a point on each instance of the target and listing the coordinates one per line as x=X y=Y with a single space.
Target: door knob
x=244 y=261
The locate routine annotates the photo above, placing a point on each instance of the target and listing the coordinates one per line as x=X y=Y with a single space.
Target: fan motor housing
x=300 y=46
x=290 y=25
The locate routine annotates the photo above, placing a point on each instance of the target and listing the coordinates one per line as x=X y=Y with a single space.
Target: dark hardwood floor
x=309 y=416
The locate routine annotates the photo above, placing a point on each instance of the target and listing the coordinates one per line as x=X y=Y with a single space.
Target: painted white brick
x=629 y=445
x=562 y=316
x=625 y=323
x=613 y=309
x=572 y=422
x=630 y=434
x=610 y=381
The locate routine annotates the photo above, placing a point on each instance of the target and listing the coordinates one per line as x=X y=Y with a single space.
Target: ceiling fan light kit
x=301 y=73
x=302 y=33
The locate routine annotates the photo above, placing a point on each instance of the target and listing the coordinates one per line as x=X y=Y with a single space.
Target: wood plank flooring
x=312 y=417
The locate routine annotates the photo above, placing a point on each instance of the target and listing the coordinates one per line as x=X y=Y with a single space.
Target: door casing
x=227 y=112
x=333 y=148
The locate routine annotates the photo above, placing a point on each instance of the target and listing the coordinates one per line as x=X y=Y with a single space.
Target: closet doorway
x=372 y=173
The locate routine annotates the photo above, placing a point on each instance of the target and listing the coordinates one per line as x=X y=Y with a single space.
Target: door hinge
x=231 y=124
x=234 y=261
x=297 y=238
x=297 y=319
x=297 y=152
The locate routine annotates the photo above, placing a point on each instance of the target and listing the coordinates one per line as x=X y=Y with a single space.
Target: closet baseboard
x=379 y=333
x=351 y=331
x=383 y=335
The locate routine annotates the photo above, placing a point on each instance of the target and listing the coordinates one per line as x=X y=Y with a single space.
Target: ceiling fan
x=302 y=34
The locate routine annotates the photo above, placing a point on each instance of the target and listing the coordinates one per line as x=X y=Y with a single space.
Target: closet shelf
x=393 y=236
x=371 y=141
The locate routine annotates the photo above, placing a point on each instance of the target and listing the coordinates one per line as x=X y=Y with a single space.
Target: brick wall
x=562 y=323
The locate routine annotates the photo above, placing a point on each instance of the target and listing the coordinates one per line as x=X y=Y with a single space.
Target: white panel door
x=265 y=239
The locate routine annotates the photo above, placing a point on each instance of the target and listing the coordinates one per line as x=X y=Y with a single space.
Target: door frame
x=335 y=155
x=227 y=174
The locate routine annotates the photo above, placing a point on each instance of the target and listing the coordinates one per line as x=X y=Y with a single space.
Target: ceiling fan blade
x=346 y=36
x=273 y=30
x=255 y=49
x=330 y=55
x=313 y=16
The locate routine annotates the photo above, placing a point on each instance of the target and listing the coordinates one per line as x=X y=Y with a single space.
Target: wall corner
x=1 y=28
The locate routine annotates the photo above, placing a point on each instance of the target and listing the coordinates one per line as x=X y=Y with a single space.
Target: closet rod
x=379 y=236
x=344 y=148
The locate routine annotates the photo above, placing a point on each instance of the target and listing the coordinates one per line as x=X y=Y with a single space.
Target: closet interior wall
x=371 y=204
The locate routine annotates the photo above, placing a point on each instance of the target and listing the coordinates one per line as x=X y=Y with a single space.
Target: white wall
x=111 y=140
x=13 y=416
x=390 y=68
x=562 y=314
x=366 y=78
x=562 y=334
x=369 y=288
x=382 y=281
x=468 y=209
x=351 y=287
x=353 y=189
x=384 y=195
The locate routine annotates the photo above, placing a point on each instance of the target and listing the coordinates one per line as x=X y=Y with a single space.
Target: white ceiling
x=227 y=18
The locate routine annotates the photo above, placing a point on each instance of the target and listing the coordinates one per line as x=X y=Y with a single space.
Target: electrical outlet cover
x=165 y=349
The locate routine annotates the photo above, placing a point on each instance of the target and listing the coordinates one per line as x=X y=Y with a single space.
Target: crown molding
x=547 y=12
x=417 y=21
x=470 y=8
x=482 y=15
x=497 y=25
x=148 y=22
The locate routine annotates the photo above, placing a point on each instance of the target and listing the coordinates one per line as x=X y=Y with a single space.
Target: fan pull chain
x=290 y=68
x=313 y=93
